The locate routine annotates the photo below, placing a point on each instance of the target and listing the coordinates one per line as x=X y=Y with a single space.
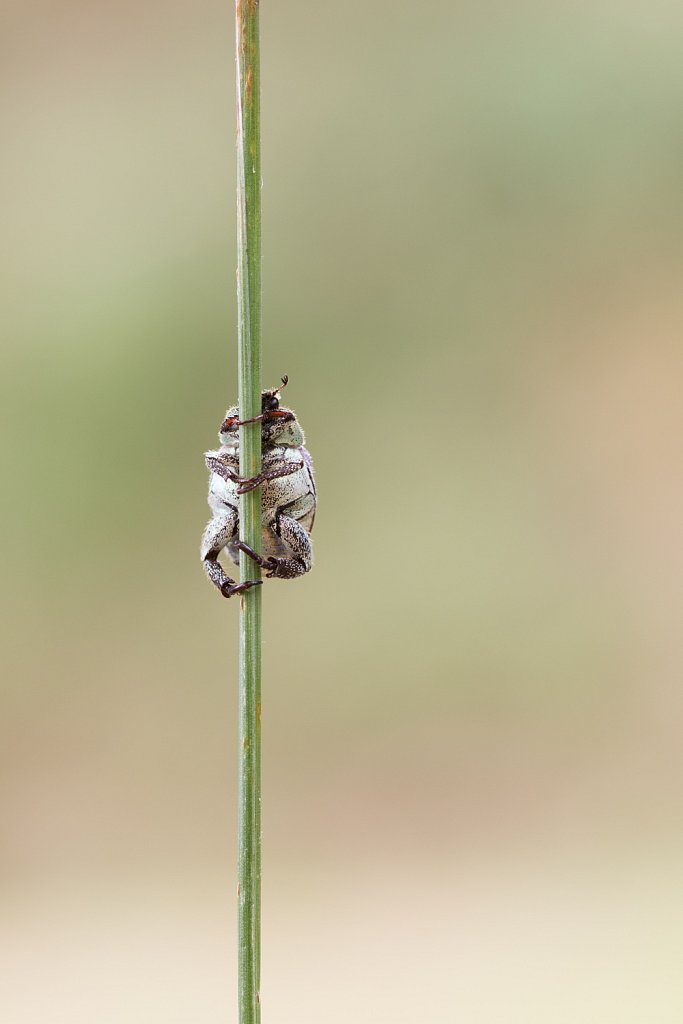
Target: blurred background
x=472 y=707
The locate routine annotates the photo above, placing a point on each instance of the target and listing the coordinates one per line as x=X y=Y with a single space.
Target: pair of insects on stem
x=288 y=497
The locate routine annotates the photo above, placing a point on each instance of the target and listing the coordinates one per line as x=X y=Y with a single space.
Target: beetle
x=288 y=497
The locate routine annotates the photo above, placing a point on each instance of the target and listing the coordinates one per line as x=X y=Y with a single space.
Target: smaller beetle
x=288 y=497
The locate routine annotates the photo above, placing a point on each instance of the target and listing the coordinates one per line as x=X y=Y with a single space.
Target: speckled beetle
x=288 y=497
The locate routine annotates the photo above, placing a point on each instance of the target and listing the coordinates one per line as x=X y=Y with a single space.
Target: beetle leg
x=251 y=483
x=215 y=464
x=265 y=563
x=297 y=540
x=219 y=532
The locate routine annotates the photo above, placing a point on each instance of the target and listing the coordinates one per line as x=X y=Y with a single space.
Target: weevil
x=288 y=497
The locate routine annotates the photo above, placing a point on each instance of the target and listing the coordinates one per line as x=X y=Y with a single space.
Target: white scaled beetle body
x=288 y=498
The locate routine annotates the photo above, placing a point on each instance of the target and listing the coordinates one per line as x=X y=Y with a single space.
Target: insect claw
x=238 y=588
x=270 y=564
x=249 y=551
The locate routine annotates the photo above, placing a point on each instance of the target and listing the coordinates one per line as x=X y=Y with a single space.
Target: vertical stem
x=249 y=340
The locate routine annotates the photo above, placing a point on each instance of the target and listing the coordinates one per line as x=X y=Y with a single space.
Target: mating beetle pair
x=288 y=497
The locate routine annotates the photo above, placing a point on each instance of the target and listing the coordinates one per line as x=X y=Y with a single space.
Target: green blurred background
x=472 y=707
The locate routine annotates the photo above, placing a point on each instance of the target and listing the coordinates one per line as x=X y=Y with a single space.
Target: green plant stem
x=249 y=341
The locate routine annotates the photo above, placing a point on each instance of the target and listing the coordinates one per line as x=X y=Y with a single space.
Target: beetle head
x=279 y=426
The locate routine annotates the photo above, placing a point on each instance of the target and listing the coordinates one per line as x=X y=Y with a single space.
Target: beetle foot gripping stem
x=239 y=588
x=218 y=576
x=269 y=564
x=280 y=568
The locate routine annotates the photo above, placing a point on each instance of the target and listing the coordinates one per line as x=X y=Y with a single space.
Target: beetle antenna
x=285 y=382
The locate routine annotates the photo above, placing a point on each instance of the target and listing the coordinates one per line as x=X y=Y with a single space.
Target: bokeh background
x=472 y=707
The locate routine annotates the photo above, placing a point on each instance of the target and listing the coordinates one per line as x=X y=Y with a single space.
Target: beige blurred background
x=472 y=708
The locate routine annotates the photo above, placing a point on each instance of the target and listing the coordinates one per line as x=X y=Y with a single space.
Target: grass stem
x=249 y=342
